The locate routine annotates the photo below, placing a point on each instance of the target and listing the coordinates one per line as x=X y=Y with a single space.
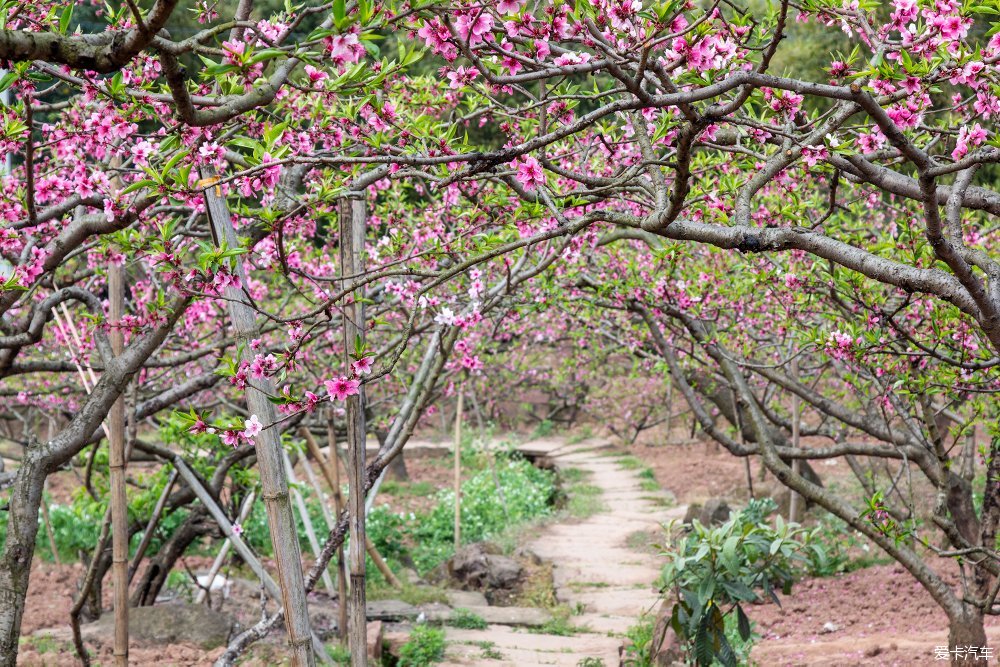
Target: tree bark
x=154 y=577
x=15 y=563
x=964 y=631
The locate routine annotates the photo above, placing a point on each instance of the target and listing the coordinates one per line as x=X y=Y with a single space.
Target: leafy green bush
x=424 y=647
x=714 y=570
x=428 y=538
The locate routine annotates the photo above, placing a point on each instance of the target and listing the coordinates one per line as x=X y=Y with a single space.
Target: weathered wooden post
x=352 y=245
x=273 y=482
x=116 y=465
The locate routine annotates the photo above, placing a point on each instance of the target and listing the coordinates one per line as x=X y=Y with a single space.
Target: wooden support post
x=352 y=246
x=274 y=484
x=795 y=500
x=116 y=464
x=241 y=547
x=224 y=550
x=300 y=503
x=458 y=472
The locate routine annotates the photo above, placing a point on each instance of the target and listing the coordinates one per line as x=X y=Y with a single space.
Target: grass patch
x=561 y=624
x=584 y=501
x=630 y=462
x=579 y=498
x=649 y=485
x=489 y=650
x=43 y=644
x=411 y=489
x=409 y=593
x=645 y=541
x=467 y=620
x=339 y=655
x=578 y=586
x=424 y=647
x=572 y=475
x=538 y=589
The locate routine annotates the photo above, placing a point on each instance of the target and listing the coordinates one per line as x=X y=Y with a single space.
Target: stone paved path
x=594 y=569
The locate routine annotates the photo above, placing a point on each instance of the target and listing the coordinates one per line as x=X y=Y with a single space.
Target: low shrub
x=713 y=571
x=424 y=647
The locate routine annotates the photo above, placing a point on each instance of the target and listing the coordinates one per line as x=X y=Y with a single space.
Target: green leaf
x=742 y=623
x=339 y=10
x=65 y=18
x=138 y=185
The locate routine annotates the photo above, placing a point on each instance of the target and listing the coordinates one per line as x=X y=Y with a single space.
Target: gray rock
x=458 y=598
x=167 y=624
x=693 y=512
x=479 y=567
x=714 y=512
x=524 y=553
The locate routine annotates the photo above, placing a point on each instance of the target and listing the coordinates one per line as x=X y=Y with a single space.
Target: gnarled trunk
x=18 y=550
x=967 y=638
x=154 y=577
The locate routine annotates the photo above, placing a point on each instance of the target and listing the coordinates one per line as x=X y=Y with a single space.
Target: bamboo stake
x=352 y=245
x=154 y=519
x=224 y=550
x=48 y=524
x=795 y=500
x=118 y=500
x=241 y=547
x=370 y=547
x=458 y=472
x=274 y=484
x=333 y=479
x=300 y=503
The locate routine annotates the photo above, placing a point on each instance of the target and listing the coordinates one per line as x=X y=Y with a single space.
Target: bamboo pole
x=332 y=474
x=241 y=547
x=274 y=484
x=370 y=547
x=458 y=472
x=352 y=242
x=300 y=503
x=48 y=523
x=224 y=550
x=795 y=500
x=118 y=500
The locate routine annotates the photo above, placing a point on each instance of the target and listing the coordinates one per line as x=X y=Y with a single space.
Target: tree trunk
x=19 y=547
x=965 y=633
x=154 y=576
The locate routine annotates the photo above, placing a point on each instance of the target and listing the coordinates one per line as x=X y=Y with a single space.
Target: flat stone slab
x=390 y=610
x=525 y=617
x=531 y=617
